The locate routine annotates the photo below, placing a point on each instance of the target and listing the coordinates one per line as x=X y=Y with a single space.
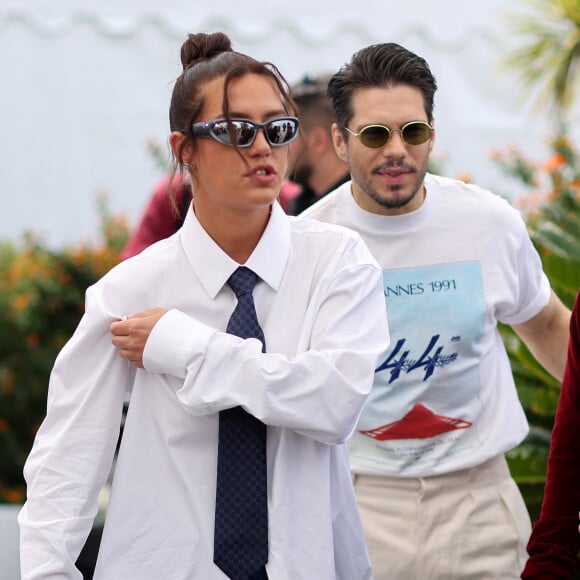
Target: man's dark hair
x=380 y=65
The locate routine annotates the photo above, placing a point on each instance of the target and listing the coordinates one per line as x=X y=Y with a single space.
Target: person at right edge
x=434 y=490
x=555 y=542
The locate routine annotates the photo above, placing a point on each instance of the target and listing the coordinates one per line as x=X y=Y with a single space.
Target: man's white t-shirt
x=444 y=398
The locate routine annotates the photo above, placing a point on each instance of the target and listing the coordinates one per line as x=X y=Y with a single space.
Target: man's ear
x=319 y=141
x=432 y=138
x=339 y=142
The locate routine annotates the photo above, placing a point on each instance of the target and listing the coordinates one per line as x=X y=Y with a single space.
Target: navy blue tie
x=241 y=513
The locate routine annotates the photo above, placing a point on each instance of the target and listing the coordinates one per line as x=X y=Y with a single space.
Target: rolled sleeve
x=176 y=342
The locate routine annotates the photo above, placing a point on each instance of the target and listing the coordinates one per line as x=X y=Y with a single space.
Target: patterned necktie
x=241 y=513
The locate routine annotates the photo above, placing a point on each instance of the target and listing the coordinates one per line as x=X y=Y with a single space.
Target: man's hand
x=130 y=335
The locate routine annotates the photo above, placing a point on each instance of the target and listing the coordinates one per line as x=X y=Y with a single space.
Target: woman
x=298 y=374
x=555 y=542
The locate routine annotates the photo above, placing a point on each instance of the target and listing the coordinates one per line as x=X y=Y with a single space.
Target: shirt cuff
x=176 y=343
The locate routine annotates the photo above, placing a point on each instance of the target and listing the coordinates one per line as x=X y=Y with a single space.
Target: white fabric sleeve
x=530 y=286
x=319 y=393
x=74 y=448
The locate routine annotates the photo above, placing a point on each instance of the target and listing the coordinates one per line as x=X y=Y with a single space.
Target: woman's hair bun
x=202 y=46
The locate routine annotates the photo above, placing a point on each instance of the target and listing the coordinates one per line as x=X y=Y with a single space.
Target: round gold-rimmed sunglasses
x=412 y=133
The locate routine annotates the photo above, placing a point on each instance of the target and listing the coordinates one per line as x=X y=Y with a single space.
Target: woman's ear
x=180 y=147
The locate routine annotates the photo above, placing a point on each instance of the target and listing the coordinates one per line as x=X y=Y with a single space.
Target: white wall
x=85 y=86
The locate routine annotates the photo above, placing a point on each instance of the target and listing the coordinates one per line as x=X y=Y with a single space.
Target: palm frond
x=548 y=58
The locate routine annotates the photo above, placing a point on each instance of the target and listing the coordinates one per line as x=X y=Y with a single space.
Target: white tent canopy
x=86 y=85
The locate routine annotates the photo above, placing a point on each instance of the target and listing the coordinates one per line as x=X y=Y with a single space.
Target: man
x=316 y=168
x=433 y=486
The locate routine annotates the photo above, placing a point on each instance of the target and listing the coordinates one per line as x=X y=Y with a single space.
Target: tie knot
x=242 y=281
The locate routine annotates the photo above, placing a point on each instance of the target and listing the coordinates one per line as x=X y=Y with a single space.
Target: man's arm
x=546 y=336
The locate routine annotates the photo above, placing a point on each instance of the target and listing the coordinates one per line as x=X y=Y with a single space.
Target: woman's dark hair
x=206 y=57
x=380 y=65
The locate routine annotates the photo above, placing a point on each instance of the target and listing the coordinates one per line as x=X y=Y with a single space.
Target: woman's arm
x=73 y=451
x=319 y=393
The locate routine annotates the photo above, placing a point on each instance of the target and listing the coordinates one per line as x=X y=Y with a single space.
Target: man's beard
x=394 y=197
x=393 y=202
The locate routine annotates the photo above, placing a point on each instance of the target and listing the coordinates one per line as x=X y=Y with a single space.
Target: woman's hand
x=131 y=334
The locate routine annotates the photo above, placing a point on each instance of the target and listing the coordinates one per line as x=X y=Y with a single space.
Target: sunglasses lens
x=413 y=133
x=375 y=136
x=416 y=133
x=238 y=132
x=281 y=131
x=242 y=133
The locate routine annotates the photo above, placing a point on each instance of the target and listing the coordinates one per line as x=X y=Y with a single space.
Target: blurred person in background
x=316 y=168
x=163 y=215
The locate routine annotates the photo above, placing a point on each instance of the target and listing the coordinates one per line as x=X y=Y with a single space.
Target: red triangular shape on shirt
x=419 y=423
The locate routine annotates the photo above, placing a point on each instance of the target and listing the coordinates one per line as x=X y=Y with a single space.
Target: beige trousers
x=468 y=525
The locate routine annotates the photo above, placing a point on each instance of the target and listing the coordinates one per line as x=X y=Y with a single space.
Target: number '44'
x=432 y=357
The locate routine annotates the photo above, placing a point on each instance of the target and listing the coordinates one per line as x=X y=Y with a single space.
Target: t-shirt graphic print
x=425 y=399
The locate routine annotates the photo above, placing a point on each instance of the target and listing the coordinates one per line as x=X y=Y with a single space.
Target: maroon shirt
x=555 y=540
x=160 y=217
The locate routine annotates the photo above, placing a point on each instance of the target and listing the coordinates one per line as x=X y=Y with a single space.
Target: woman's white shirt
x=320 y=302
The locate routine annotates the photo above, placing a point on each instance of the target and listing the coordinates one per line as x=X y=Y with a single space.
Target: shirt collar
x=213 y=266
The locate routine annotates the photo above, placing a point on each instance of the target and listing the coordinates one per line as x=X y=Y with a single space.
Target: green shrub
x=551 y=207
x=41 y=303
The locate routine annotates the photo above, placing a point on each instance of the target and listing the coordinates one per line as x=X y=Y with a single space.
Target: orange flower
x=21 y=302
x=465 y=177
x=12 y=494
x=555 y=162
x=64 y=278
x=531 y=202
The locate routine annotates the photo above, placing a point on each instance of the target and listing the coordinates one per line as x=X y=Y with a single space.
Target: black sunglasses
x=242 y=132
x=412 y=133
